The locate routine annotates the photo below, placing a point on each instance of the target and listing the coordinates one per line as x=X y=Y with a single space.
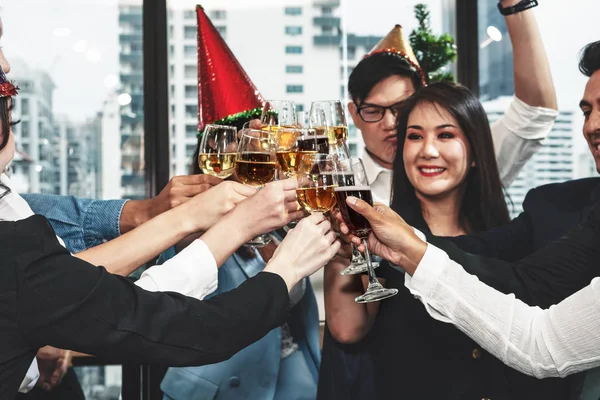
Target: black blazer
x=549 y=212
x=48 y=297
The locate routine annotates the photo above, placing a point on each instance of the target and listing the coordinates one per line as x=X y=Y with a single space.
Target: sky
x=29 y=27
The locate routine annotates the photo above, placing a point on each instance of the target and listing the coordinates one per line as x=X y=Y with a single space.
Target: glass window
x=326 y=10
x=191 y=92
x=191 y=72
x=294 y=89
x=293 y=30
x=218 y=14
x=189 y=32
x=191 y=131
x=191 y=111
x=293 y=49
x=190 y=51
x=189 y=14
x=565 y=154
x=189 y=149
x=24 y=108
x=294 y=69
x=24 y=127
x=299 y=107
x=293 y=10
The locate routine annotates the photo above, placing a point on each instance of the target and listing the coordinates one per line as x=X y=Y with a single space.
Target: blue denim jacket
x=81 y=223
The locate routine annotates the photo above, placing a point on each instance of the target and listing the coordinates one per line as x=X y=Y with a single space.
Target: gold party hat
x=396 y=43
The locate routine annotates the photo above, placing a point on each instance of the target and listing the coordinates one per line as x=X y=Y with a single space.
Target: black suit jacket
x=48 y=297
x=542 y=278
x=549 y=212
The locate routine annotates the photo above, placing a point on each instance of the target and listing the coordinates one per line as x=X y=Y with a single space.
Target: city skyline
x=74 y=75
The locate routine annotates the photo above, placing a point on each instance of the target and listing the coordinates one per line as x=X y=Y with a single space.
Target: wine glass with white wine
x=218 y=150
x=256 y=165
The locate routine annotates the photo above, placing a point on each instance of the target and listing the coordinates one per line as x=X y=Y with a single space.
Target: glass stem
x=372 y=277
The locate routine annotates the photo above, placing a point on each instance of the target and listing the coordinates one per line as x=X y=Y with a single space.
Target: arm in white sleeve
x=518 y=136
x=193 y=272
x=559 y=341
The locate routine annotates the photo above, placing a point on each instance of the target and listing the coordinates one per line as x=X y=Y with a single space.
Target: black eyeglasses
x=375 y=113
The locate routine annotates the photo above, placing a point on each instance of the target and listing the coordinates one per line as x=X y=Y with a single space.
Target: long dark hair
x=483 y=206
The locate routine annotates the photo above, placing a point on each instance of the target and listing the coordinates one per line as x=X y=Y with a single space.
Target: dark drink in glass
x=357 y=224
x=314 y=144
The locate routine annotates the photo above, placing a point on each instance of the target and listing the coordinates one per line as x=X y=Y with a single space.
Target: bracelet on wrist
x=517 y=8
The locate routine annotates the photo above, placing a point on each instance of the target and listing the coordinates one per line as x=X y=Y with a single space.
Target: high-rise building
x=131 y=113
x=109 y=157
x=78 y=156
x=291 y=51
x=35 y=135
x=555 y=162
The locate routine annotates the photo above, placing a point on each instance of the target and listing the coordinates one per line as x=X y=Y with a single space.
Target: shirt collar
x=12 y=206
x=372 y=167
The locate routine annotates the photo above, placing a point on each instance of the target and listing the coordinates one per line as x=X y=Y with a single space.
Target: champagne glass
x=358 y=264
x=255 y=166
x=278 y=114
x=359 y=226
x=218 y=150
x=315 y=191
x=290 y=145
x=302 y=119
x=328 y=118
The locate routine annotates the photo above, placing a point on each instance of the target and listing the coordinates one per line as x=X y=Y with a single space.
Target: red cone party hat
x=224 y=88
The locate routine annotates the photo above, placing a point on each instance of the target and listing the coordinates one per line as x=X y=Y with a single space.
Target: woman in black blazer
x=440 y=192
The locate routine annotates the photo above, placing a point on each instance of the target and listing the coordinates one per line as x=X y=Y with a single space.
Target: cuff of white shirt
x=528 y=122
x=428 y=273
x=193 y=272
x=31 y=378
x=422 y=285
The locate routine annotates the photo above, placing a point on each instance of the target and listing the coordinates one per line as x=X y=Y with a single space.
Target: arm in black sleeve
x=68 y=303
x=510 y=242
x=547 y=276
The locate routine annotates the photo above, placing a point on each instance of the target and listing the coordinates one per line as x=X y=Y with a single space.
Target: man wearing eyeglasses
x=383 y=79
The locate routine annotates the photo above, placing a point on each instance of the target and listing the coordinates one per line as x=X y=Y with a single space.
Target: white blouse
x=192 y=272
x=556 y=342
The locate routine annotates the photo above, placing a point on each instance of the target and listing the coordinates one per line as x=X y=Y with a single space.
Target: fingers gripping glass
x=256 y=165
x=218 y=150
x=351 y=180
x=375 y=113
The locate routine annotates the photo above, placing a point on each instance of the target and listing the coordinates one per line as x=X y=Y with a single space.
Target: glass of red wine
x=350 y=179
